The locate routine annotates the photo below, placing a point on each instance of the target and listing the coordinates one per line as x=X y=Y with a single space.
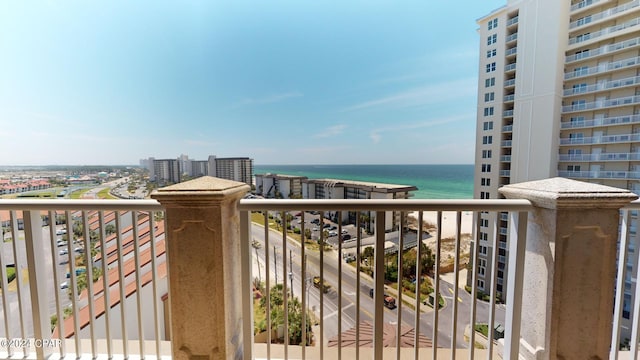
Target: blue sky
x=283 y=82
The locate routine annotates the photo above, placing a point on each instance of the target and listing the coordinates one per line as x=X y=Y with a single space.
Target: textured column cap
x=559 y=193
x=205 y=188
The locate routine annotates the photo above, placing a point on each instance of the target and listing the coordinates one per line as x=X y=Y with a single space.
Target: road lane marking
x=336 y=312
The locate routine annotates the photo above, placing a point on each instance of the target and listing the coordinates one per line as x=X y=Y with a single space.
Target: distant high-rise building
x=199 y=168
x=557 y=96
x=185 y=164
x=235 y=168
x=166 y=171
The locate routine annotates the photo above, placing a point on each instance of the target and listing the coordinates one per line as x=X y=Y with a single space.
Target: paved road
x=350 y=298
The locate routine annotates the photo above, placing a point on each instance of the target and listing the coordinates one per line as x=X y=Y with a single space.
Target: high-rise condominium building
x=236 y=168
x=558 y=95
x=165 y=171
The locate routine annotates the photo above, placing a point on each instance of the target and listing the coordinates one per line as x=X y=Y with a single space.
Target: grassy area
x=78 y=194
x=11 y=274
x=258 y=218
x=482 y=328
x=41 y=194
x=104 y=194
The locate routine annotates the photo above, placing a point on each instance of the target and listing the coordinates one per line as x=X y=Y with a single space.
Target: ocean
x=432 y=181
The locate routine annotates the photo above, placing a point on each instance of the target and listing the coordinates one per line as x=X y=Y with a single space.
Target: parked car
x=64 y=285
x=78 y=272
x=63 y=252
x=333 y=233
x=345 y=237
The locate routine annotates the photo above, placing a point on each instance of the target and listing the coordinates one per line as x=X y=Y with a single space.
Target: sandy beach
x=430 y=218
x=449 y=230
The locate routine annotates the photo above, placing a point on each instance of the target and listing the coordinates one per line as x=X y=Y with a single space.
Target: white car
x=63 y=252
x=64 y=285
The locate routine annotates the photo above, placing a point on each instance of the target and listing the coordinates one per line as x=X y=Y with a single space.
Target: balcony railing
x=608 y=85
x=602 y=68
x=600 y=174
x=605 y=14
x=223 y=252
x=605 y=49
x=583 y=4
x=604 y=139
x=609 y=30
x=510 y=67
x=601 y=104
x=600 y=157
x=606 y=121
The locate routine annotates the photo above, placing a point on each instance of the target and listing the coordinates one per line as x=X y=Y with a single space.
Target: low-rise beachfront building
x=279 y=186
x=349 y=189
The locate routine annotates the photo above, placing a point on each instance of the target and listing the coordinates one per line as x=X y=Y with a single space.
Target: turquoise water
x=432 y=181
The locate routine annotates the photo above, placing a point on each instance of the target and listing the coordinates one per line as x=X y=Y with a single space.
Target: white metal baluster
x=55 y=261
x=340 y=294
x=635 y=333
x=73 y=282
x=122 y=286
x=492 y=294
x=285 y=295
x=267 y=281
x=303 y=285
x=400 y=288
x=136 y=256
x=378 y=321
x=474 y=286
x=18 y=268
x=89 y=276
x=34 y=243
x=456 y=269
x=620 y=279
x=436 y=285
x=517 y=246
x=247 y=294
x=106 y=296
x=358 y=290
x=416 y=320
x=6 y=314
x=321 y=286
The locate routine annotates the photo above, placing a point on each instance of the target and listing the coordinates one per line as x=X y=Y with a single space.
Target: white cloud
x=376 y=134
x=424 y=95
x=331 y=131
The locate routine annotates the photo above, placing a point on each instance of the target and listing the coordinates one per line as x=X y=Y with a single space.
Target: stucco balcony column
x=569 y=267
x=205 y=274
